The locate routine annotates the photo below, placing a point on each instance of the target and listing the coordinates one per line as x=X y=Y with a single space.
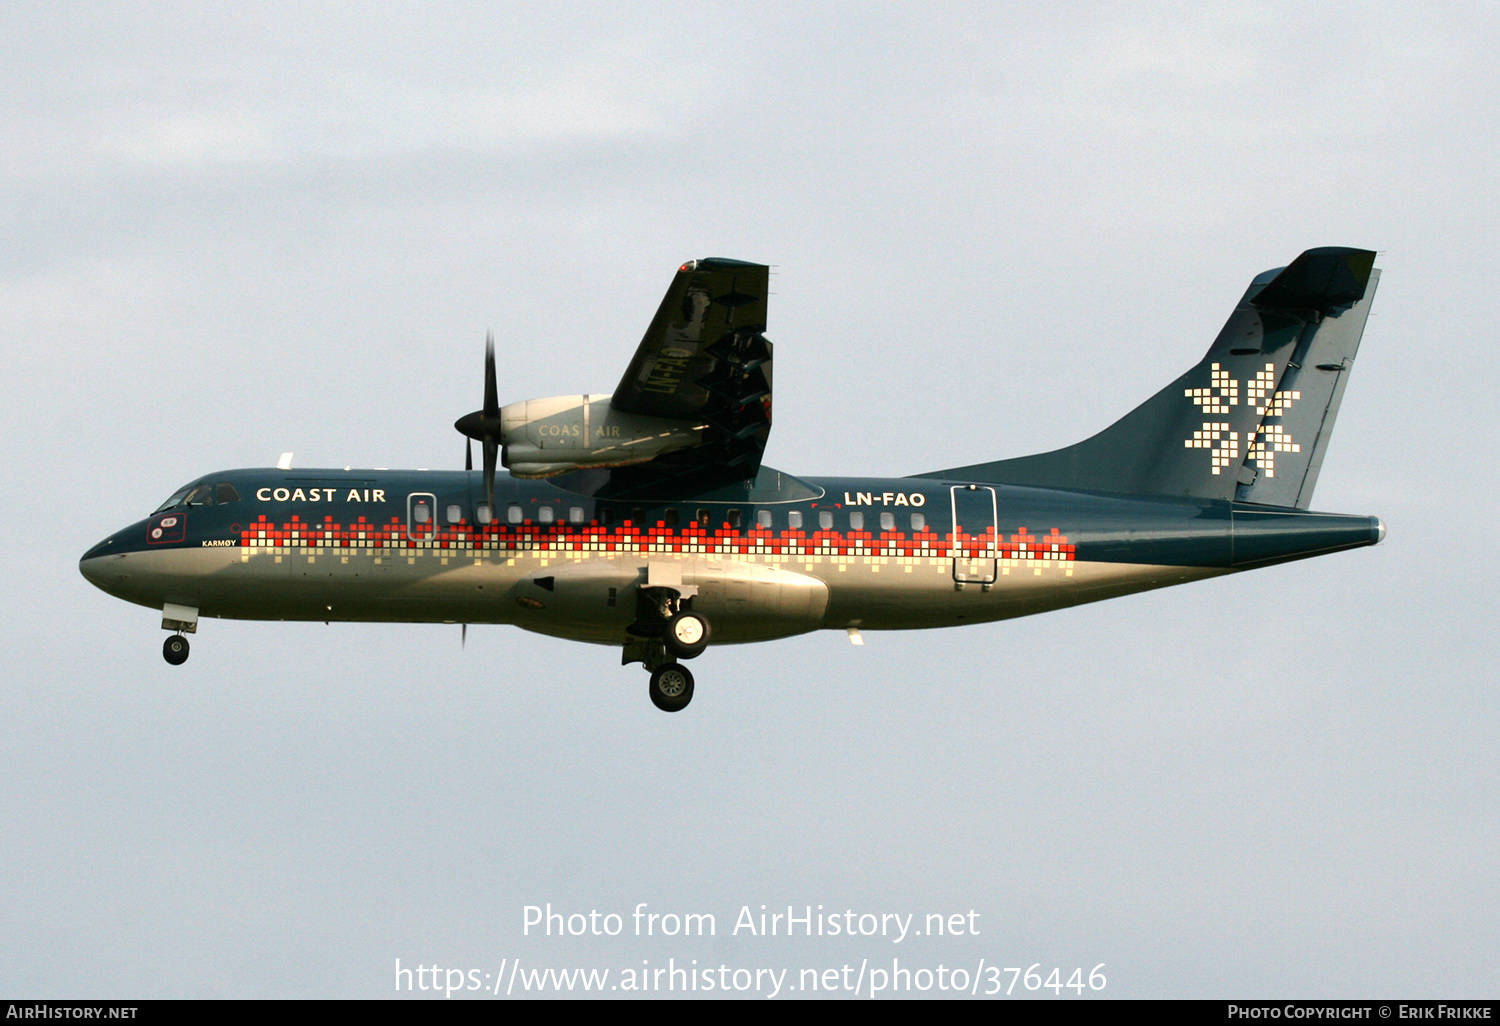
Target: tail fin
x=1252 y=420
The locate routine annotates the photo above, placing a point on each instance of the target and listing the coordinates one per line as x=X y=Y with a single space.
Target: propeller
x=484 y=426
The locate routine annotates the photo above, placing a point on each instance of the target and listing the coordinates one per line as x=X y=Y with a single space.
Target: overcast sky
x=236 y=230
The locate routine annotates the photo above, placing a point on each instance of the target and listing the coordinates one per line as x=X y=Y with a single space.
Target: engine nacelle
x=544 y=437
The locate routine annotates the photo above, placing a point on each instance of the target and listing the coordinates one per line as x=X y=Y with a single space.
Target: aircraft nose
x=94 y=564
x=92 y=567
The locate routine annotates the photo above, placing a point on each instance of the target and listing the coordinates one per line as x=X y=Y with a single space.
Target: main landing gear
x=665 y=632
x=686 y=635
x=671 y=687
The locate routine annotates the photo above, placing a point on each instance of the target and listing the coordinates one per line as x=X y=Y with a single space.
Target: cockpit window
x=175 y=500
x=200 y=494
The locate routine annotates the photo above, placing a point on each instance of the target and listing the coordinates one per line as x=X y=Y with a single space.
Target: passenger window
x=513 y=514
x=670 y=518
x=703 y=519
x=734 y=519
x=856 y=521
x=918 y=521
x=575 y=514
x=545 y=515
x=421 y=512
x=762 y=518
x=483 y=514
x=606 y=516
x=887 y=521
x=455 y=514
x=825 y=520
x=226 y=493
x=794 y=520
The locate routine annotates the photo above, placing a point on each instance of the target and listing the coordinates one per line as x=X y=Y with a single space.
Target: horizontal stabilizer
x=1321 y=280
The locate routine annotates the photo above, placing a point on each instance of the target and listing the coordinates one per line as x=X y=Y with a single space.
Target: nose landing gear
x=180 y=620
x=175 y=649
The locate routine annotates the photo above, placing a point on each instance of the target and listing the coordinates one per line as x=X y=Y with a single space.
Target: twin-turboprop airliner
x=645 y=519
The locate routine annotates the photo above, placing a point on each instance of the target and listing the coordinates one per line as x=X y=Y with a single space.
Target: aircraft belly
x=871 y=598
x=595 y=599
x=585 y=596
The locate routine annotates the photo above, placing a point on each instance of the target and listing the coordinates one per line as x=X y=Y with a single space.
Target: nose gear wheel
x=175 y=649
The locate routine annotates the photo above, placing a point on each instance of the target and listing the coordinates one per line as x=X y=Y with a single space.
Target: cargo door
x=974 y=534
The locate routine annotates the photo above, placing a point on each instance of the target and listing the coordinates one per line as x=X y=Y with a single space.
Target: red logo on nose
x=164 y=530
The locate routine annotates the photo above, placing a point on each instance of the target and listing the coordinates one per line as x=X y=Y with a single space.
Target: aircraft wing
x=704 y=360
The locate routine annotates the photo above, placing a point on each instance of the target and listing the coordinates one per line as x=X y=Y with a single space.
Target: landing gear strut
x=175 y=649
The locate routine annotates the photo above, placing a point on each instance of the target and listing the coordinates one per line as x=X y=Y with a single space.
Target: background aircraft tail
x=1252 y=420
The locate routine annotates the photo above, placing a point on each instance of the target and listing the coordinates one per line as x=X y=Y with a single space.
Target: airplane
x=645 y=519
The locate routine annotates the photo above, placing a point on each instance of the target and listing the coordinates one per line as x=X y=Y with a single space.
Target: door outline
x=414 y=530
x=975 y=562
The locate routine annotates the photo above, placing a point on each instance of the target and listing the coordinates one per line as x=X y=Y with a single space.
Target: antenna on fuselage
x=285 y=463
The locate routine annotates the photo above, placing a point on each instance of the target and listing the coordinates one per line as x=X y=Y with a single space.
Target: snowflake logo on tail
x=1262 y=444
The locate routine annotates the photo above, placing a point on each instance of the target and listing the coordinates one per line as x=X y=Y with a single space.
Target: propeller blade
x=491 y=393
x=491 y=451
x=468 y=453
x=463 y=638
x=485 y=425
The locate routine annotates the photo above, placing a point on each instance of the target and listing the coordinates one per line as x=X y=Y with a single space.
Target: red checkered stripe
x=564 y=537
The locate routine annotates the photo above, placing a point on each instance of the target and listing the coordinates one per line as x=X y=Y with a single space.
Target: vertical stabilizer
x=1251 y=421
x=1286 y=452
